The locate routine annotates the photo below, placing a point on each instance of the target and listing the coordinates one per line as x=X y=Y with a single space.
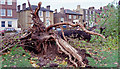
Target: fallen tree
x=75 y=34
x=40 y=37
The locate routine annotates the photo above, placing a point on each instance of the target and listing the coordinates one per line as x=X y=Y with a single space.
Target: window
x=69 y=16
x=90 y=12
x=86 y=11
x=62 y=19
x=47 y=14
x=90 y=17
x=74 y=17
x=40 y=13
x=9 y=12
x=2 y=23
x=86 y=17
x=79 y=17
x=73 y=22
x=9 y=2
x=2 y=1
x=93 y=12
x=47 y=23
x=94 y=17
x=2 y=12
x=9 y=23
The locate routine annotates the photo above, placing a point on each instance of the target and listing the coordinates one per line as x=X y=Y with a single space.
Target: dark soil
x=52 y=55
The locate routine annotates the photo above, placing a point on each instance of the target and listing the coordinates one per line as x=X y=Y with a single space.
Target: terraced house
x=8 y=14
x=89 y=15
x=24 y=16
x=66 y=15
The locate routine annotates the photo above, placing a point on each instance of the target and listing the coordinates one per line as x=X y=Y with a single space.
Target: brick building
x=24 y=16
x=66 y=15
x=8 y=14
x=89 y=15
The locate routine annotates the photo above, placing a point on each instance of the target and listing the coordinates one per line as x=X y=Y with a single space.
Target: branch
x=30 y=6
x=63 y=33
x=25 y=36
x=37 y=9
x=35 y=16
x=8 y=47
x=75 y=25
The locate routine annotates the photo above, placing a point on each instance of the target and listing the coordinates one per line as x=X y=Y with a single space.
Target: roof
x=98 y=11
x=34 y=7
x=67 y=11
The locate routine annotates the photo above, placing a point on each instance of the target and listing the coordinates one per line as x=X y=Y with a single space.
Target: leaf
x=5 y=65
x=115 y=63
x=105 y=64
x=63 y=62
x=35 y=65
x=32 y=62
x=35 y=58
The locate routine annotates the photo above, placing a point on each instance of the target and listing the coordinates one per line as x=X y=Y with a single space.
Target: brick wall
x=13 y=7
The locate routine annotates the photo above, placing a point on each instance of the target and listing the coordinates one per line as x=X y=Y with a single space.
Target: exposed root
x=63 y=33
x=66 y=53
x=71 y=50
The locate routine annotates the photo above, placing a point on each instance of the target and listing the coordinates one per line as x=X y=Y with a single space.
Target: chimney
x=23 y=6
x=74 y=10
x=119 y=3
x=100 y=8
x=48 y=7
x=55 y=10
x=91 y=8
x=78 y=7
x=62 y=10
x=18 y=7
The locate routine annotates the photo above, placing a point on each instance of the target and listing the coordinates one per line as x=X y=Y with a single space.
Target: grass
x=104 y=59
x=16 y=58
x=105 y=54
x=0 y=62
x=103 y=51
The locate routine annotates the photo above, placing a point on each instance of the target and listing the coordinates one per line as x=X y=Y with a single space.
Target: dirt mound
x=52 y=58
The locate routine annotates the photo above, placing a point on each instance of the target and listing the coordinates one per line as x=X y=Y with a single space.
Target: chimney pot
x=62 y=10
x=78 y=7
x=18 y=7
x=91 y=7
x=55 y=10
x=100 y=8
x=23 y=6
x=119 y=2
x=48 y=7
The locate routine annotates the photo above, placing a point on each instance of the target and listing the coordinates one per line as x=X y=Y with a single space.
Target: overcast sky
x=68 y=4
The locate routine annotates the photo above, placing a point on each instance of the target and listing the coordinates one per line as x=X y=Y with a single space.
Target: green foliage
x=106 y=49
x=109 y=19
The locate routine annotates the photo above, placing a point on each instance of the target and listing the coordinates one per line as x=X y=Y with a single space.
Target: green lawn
x=16 y=58
x=104 y=59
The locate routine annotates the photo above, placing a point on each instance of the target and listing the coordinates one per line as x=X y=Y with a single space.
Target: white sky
x=68 y=4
